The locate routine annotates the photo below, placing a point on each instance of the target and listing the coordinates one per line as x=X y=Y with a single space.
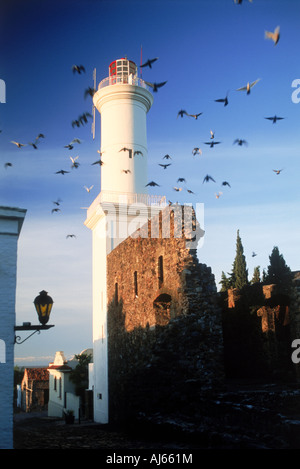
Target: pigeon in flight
x=195 y=116
x=89 y=92
x=7 y=165
x=149 y=62
x=167 y=157
x=212 y=143
x=152 y=183
x=223 y=100
x=177 y=189
x=70 y=236
x=181 y=180
x=98 y=162
x=277 y=171
x=273 y=35
x=57 y=202
x=197 y=150
x=254 y=254
x=240 y=142
x=239 y=2
x=226 y=183
x=182 y=113
x=155 y=86
x=126 y=171
x=75 y=164
x=127 y=149
x=218 y=195
x=78 y=69
x=208 y=178
x=138 y=152
x=248 y=86
x=164 y=165
x=190 y=192
x=19 y=145
x=274 y=119
x=62 y=171
x=55 y=210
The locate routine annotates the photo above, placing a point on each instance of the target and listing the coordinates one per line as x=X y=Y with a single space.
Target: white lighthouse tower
x=123 y=204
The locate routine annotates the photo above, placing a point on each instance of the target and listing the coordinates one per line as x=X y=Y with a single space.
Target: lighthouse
x=123 y=205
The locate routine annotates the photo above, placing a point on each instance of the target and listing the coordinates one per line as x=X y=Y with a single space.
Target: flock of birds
x=272 y=35
x=83 y=119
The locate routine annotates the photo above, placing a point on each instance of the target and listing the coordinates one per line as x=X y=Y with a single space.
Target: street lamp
x=43 y=304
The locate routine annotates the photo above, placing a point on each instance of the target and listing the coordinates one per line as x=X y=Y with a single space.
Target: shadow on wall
x=162 y=368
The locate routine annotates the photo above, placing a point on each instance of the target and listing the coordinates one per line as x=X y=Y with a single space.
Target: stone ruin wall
x=166 y=338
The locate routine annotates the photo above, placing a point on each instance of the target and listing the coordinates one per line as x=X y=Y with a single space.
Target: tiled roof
x=38 y=374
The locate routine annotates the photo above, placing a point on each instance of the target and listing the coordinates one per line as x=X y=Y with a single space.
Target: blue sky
x=205 y=49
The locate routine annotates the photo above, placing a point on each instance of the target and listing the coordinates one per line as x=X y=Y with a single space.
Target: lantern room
x=121 y=69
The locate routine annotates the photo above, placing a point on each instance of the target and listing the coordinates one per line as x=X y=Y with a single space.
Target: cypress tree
x=278 y=271
x=239 y=271
x=256 y=275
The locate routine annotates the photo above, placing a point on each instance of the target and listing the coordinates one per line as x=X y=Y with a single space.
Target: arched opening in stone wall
x=162 y=307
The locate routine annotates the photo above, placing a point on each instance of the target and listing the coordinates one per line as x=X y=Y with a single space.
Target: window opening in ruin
x=116 y=294
x=135 y=284
x=160 y=271
x=162 y=307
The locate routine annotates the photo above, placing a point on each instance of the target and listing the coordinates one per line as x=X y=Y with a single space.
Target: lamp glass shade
x=43 y=305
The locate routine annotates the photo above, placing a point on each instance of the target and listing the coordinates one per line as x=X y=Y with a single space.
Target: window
x=55 y=384
x=160 y=271
x=135 y=284
x=116 y=294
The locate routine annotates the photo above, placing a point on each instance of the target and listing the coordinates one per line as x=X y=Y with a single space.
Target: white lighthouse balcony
x=123 y=79
x=127 y=199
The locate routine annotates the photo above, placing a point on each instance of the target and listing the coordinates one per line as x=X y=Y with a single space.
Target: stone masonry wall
x=164 y=328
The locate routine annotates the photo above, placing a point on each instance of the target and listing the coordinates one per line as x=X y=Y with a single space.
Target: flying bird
x=19 y=145
x=138 y=152
x=248 y=86
x=149 y=62
x=273 y=35
x=55 y=210
x=212 y=134
x=226 y=183
x=98 y=162
x=89 y=92
x=182 y=113
x=254 y=254
x=164 y=165
x=62 y=171
x=240 y=142
x=218 y=195
x=75 y=164
x=212 y=143
x=126 y=171
x=88 y=189
x=190 y=192
x=155 y=86
x=152 y=183
x=33 y=145
x=208 y=178
x=177 y=189
x=274 y=119
x=239 y=2
x=195 y=116
x=7 y=165
x=181 y=180
x=223 y=100
x=70 y=236
x=197 y=150
x=57 y=202
x=78 y=69
x=167 y=157
x=127 y=149
x=277 y=171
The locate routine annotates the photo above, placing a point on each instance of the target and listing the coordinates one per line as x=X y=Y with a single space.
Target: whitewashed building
x=11 y=221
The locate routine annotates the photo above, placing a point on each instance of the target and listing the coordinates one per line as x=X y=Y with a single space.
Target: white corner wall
x=11 y=220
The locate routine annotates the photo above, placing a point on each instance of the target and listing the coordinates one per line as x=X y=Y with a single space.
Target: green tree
x=224 y=282
x=256 y=275
x=79 y=375
x=239 y=271
x=278 y=271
